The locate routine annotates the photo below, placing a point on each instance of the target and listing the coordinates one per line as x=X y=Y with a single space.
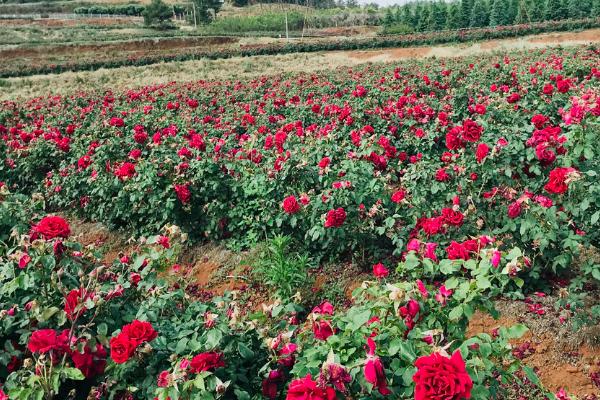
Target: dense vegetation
x=440 y=15
x=454 y=181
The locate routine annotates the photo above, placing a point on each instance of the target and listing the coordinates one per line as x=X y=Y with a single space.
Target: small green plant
x=282 y=269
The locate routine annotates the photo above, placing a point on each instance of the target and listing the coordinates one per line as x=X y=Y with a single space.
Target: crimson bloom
x=307 y=389
x=208 y=361
x=335 y=218
x=374 y=371
x=380 y=271
x=51 y=227
x=290 y=205
x=183 y=193
x=558 y=178
x=440 y=377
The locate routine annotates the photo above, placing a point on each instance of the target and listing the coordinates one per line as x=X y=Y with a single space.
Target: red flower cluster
x=183 y=193
x=89 y=362
x=132 y=335
x=307 y=389
x=559 y=178
x=335 y=218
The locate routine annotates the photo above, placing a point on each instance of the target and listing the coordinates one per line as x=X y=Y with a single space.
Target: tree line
x=438 y=15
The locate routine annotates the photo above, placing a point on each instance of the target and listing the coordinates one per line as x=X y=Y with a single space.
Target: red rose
x=75 y=298
x=324 y=163
x=374 y=371
x=544 y=154
x=457 y=251
x=452 y=217
x=398 y=196
x=45 y=340
x=514 y=210
x=42 y=341
x=440 y=377
x=513 y=98
x=307 y=389
x=322 y=329
x=471 y=132
x=51 y=227
x=453 y=140
x=432 y=226
x=441 y=175
x=380 y=271
x=290 y=205
x=183 y=193
x=126 y=170
x=116 y=121
x=482 y=151
x=121 y=348
x=269 y=385
x=207 y=361
x=335 y=218
x=164 y=379
x=558 y=180
x=139 y=332
x=90 y=363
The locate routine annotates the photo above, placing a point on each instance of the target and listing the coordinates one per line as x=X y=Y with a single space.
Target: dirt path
x=527 y=42
x=249 y=67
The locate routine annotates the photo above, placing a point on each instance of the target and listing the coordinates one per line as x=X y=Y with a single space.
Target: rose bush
x=144 y=337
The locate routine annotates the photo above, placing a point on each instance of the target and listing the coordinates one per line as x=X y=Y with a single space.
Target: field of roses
x=454 y=181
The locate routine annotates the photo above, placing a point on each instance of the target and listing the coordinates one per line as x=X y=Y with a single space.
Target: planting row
x=74 y=327
x=352 y=163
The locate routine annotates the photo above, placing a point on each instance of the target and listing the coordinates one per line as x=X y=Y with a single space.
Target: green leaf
x=245 y=351
x=358 y=318
x=595 y=217
x=73 y=373
x=456 y=313
x=516 y=331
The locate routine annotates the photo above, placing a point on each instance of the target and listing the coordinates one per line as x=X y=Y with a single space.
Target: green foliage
x=158 y=15
x=206 y=11
x=453 y=21
x=479 y=14
x=555 y=10
x=282 y=269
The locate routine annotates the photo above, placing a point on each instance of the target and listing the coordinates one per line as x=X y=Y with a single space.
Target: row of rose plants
x=73 y=326
x=118 y=60
x=349 y=162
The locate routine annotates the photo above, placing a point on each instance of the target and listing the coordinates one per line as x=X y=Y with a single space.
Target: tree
x=240 y=3
x=511 y=12
x=437 y=16
x=407 y=17
x=554 y=10
x=522 y=16
x=496 y=13
x=157 y=14
x=422 y=23
x=580 y=8
x=595 y=8
x=389 y=18
x=206 y=10
x=466 y=7
x=479 y=14
x=453 y=19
